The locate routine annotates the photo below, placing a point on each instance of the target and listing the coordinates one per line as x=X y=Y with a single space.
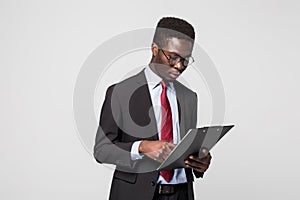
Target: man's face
x=161 y=58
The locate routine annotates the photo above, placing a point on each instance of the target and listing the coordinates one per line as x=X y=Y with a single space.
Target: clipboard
x=191 y=143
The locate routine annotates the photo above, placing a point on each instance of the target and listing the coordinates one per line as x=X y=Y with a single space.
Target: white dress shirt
x=155 y=90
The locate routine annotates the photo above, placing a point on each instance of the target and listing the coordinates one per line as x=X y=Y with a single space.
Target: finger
x=193 y=164
x=166 y=150
x=205 y=159
x=201 y=169
x=155 y=156
x=171 y=146
x=208 y=157
x=164 y=154
x=196 y=163
x=159 y=158
x=196 y=158
x=204 y=151
x=199 y=160
x=151 y=156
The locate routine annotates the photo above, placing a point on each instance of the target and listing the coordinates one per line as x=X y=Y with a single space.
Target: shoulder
x=129 y=84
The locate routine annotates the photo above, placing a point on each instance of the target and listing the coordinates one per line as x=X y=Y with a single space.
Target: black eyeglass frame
x=173 y=60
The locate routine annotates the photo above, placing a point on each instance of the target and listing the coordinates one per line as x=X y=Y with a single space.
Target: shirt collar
x=154 y=80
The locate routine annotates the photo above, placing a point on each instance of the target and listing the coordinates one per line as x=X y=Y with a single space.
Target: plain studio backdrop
x=253 y=44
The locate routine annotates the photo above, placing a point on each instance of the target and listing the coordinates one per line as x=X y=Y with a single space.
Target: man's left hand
x=199 y=164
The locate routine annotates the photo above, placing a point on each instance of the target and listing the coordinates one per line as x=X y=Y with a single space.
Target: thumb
x=203 y=152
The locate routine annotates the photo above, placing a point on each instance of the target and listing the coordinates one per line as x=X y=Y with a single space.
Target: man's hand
x=199 y=164
x=157 y=150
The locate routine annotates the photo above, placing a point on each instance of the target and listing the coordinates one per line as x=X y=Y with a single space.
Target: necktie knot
x=164 y=85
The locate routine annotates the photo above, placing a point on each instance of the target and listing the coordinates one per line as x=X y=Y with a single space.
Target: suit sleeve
x=109 y=147
x=194 y=124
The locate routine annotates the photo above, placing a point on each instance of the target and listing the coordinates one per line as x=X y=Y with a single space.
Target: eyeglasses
x=173 y=60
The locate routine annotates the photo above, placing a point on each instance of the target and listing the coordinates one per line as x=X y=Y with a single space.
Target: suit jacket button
x=152 y=183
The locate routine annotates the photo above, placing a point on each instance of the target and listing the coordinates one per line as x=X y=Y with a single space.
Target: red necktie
x=166 y=126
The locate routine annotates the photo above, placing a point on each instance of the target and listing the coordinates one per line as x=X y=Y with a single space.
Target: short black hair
x=169 y=27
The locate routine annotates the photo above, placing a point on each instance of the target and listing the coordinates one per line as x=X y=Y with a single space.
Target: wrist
x=141 y=146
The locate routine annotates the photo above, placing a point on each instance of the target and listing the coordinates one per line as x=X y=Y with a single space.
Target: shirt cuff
x=135 y=155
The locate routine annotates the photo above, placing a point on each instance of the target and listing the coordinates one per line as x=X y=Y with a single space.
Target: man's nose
x=179 y=66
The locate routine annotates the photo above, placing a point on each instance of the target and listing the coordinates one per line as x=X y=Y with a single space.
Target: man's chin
x=169 y=79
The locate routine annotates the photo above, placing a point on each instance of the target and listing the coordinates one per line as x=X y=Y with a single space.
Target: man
x=144 y=116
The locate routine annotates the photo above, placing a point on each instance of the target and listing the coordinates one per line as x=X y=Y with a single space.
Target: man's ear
x=154 y=49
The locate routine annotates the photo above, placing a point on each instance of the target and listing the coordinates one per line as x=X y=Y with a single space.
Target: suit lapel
x=141 y=105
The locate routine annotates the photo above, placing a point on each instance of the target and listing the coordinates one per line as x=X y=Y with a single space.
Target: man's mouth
x=174 y=76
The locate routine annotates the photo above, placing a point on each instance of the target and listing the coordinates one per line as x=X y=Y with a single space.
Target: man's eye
x=174 y=58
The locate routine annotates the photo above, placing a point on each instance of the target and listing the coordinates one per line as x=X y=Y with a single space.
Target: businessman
x=146 y=115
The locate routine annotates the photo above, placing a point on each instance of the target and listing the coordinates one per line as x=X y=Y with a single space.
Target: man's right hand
x=157 y=150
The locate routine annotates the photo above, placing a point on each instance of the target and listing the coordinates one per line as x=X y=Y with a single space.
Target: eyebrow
x=179 y=55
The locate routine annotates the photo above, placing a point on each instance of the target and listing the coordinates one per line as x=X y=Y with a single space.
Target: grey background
x=254 y=45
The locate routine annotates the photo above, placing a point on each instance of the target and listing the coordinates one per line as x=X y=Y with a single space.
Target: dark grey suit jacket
x=127 y=116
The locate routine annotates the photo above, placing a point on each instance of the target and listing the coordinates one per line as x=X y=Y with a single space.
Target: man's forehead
x=180 y=46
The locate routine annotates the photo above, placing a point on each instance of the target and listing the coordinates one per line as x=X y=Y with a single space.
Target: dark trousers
x=179 y=194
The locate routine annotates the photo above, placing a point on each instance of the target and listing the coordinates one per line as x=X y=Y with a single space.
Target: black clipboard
x=191 y=143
